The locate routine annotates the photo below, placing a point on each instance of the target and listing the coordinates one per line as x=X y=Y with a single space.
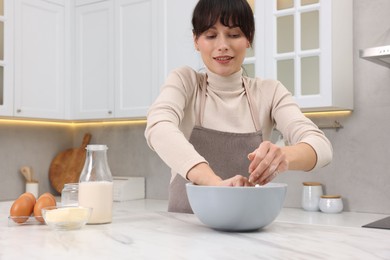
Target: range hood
x=379 y=55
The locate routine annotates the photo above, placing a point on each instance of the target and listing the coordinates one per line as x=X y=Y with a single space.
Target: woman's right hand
x=236 y=181
x=202 y=174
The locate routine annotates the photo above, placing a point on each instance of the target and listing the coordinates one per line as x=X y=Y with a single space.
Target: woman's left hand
x=266 y=162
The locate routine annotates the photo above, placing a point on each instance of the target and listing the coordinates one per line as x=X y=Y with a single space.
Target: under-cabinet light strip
x=134 y=121
x=329 y=113
x=70 y=124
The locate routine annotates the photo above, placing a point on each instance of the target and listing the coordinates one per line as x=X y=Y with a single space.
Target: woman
x=213 y=128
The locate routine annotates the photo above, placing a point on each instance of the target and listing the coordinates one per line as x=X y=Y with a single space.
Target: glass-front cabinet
x=6 y=57
x=307 y=45
x=250 y=63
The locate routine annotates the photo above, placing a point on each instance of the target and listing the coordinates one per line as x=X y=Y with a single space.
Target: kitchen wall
x=359 y=172
x=25 y=144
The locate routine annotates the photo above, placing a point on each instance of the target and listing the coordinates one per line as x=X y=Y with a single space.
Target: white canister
x=32 y=187
x=331 y=204
x=311 y=194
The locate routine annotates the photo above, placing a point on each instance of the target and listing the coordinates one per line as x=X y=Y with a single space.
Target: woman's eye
x=234 y=35
x=210 y=36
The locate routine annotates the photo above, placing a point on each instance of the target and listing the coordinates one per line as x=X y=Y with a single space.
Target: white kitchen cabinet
x=93 y=91
x=40 y=49
x=139 y=29
x=119 y=58
x=6 y=57
x=307 y=45
x=180 y=50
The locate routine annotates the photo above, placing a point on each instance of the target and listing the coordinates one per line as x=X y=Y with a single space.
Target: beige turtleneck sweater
x=171 y=118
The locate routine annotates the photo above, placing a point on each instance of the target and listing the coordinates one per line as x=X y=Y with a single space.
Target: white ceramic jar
x=331 y=204
x=311 y=194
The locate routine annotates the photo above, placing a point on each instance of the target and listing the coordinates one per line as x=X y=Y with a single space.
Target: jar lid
x=311 y=183
x=96 y=147
x=331 y=197
x=73 y=184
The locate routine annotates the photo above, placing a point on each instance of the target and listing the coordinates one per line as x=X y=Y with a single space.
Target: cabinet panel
x=180 y=50
x=6 y=59
x=137 y=55
x=39 y=59
x=93 y=95
x=308 y=47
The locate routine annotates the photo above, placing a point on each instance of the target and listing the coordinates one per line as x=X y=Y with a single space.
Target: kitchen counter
x=142 y=229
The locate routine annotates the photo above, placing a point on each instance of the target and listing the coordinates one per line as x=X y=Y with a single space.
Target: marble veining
x=144 y=230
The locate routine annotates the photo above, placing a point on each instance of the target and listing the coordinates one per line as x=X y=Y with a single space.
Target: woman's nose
x=223 y=44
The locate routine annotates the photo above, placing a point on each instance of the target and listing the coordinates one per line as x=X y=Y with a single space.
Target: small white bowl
x=331 y=204
x=236 y=208
x=66 y=217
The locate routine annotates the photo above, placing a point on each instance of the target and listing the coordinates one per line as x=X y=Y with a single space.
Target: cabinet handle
x=18 y=110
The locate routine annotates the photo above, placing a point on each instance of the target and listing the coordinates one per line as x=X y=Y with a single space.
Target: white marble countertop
x=142 y=229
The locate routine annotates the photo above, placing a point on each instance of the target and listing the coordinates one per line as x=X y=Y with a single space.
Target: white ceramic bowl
x=66 y=217
x=331 y=204
x=236 y=208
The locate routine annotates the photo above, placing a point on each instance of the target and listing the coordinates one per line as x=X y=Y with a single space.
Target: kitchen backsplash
x=359 y=171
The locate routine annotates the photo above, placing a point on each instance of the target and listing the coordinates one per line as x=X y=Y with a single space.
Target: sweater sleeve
x=169 y=122
x=297 y=128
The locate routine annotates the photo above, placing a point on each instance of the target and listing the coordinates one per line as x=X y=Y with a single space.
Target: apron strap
x=202 y=87
x=252 y=106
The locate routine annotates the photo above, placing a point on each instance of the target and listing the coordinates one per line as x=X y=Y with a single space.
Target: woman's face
x=222 y=49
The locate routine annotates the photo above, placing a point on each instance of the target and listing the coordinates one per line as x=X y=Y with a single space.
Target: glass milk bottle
x=96 y=186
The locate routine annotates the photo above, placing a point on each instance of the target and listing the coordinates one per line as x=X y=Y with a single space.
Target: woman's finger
x=267 y=159
x=259 y=155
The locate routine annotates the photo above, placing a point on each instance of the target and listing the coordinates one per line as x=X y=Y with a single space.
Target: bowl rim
x=269 y=185
x=65 y=207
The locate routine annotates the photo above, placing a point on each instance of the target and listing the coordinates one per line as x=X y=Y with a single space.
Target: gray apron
x=209 y=143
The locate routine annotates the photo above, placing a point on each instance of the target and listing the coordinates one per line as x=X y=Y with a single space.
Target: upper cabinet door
x=6 y=57
x=180 y=49
x=39 y=59
x=307 y=45
x=138 y=55
x=93 y=91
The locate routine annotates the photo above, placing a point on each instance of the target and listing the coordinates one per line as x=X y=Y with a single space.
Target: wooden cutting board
x=66 y=167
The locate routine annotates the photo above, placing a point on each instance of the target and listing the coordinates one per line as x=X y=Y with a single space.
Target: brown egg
x=42 y=202
x=21 y=209
x=49 y=195
x=29 y=195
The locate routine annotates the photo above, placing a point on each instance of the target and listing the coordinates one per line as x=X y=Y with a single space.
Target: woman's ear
x=248 y=44
x=195 y=42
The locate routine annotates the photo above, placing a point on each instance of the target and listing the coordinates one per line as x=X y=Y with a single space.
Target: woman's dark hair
x=231 y=13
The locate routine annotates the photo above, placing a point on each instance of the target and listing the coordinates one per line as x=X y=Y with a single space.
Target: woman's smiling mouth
x=223 y=59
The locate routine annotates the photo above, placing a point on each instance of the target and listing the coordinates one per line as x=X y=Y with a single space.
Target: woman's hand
x=266 y=162
x=202 y=174
x=236 y=181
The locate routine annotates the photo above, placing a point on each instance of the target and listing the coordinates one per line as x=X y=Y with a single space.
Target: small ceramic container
x=33 y=188
x=312 y=191
x=331 y=204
